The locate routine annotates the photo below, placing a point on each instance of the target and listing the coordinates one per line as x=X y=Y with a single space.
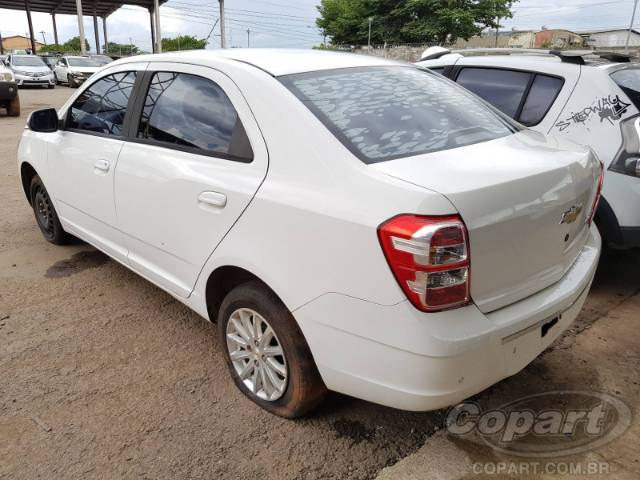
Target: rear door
x=194 y=162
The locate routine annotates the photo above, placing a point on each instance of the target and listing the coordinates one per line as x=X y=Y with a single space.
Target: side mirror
x=44 y=121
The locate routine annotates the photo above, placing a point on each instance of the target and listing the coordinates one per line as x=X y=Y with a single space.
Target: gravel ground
x=103 y=375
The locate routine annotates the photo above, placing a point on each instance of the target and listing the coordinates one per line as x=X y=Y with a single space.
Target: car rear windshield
x=628 y=80
x=30 y=61
x=384 y=113
x=82 y=62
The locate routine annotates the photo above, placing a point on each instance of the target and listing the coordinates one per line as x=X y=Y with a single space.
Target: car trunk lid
x=525 y=200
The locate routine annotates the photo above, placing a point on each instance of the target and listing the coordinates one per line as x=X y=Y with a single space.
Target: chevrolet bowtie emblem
x=571 y=215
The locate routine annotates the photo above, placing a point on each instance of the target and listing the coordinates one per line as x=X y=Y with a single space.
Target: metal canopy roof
x=100 y=8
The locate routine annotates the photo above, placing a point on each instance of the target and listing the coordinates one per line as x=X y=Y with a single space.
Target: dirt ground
x=103 y=375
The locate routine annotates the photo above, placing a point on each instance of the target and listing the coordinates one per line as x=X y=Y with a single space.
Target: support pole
x=95 y=32
x=55 y=28
x=104 y=34
x=1 y=46
x=152 y=18
x=83 y=46
x=248 y=38
x=633 y=17
x=223 y=41
x=156 y=8
x=33 y=42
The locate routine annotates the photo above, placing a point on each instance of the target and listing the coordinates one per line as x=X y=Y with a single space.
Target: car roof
x=519 y=59
x=276 y=62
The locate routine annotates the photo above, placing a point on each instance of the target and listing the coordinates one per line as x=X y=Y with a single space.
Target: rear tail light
x=596 y=200
x=429 y=256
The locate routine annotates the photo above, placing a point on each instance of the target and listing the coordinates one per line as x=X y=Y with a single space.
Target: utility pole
x=43 y=37
x=369 y=38
x=1 y=46
x=130 y=46
x=248 y=37
x=223 y=41
x=633 y=17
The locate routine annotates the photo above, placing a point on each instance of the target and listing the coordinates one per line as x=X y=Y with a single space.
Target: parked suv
x=74 y=70
x=30 y=70
x=9 y=98
x=592 y=100
x=351 y=223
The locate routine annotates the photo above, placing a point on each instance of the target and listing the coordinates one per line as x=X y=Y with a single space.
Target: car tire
x=300 y=386
x=50 y=86
x=13 y=108
x=46 y=215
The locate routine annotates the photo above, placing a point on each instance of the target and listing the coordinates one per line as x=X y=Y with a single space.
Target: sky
x=285 y=23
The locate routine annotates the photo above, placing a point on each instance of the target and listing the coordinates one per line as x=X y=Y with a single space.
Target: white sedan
x=351 y=223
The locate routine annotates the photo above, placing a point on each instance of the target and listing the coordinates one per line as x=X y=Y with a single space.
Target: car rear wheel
x=266 y=353
x=13 y=108
x=46 y=215
x=51 y=85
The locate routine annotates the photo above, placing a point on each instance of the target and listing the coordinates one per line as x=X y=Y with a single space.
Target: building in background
x=556 y=38
x=611 y=38
x=522 y=38
x=19 y=43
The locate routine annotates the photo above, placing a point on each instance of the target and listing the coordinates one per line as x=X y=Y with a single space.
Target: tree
x=122 y=48
x=51 y=47
x=183 y=42
x=409 y=21
x=73 y=45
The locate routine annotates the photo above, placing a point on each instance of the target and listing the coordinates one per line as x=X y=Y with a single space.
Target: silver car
x=31 y=70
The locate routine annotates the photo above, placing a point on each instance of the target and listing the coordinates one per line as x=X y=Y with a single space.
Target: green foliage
x=183 y=42
x=52 y=47
x=408 y=21
x=73 y=45
x=121 y=48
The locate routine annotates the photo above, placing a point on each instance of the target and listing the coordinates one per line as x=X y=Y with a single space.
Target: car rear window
x=629 y=81
x=384 y=113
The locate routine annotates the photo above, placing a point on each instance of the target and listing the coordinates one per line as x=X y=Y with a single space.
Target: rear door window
x=383 y=113
x=503 y=89
x=524 y=96
x=191 y=112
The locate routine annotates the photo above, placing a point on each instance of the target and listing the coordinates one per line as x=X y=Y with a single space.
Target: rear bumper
x=399 y=357
x=8 y=90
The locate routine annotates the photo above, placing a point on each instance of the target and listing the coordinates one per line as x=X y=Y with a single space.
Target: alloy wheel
x=256 y=354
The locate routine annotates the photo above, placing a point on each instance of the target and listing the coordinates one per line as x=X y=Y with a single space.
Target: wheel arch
x=27 y=172
x=224 y=279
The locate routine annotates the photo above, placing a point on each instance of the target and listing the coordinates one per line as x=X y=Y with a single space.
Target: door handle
x=214 y=199
x=102 y=165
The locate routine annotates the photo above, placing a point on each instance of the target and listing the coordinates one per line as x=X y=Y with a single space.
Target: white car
x=74 y=70
x=30 y=70
x=590 y=100
x=351 y=223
